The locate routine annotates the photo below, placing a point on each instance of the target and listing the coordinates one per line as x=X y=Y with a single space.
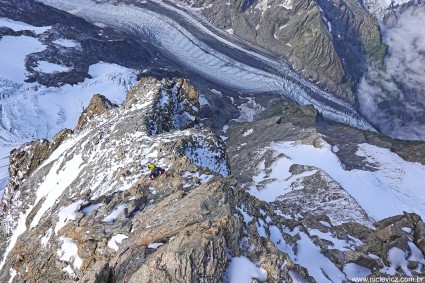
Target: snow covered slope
x=393 y=186
x=31 y=111
x=330 y=178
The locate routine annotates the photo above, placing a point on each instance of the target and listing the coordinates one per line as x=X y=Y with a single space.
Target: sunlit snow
x=393 y=188
x=49 y=68
x=114 y=214
x=56 y=181
x=69 y=252
x=19 y=26
x=242 y=270
x=66 y=43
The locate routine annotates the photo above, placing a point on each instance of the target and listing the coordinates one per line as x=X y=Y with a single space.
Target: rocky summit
x=81 y=207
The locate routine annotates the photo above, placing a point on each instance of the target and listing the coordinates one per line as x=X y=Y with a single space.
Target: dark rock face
x=327 y=41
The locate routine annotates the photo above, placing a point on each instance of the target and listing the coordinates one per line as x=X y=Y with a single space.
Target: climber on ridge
x=155 y=171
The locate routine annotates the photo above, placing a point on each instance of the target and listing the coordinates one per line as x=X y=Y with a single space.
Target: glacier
x=178 y=39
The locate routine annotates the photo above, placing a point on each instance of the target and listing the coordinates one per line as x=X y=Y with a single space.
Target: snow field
x=30 y=111
x=393 y=188
x=14 y=50
x=49 y=68
x=20 y=26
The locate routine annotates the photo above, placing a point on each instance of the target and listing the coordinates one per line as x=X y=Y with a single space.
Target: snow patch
x=397 y=257
x=287 y=4
x=114 y=214
x=248 y=132
x=20 y=26
x=67 y=43
x=66 y=214
x=12 y=274
x=116 y=240
x=203 y=101
x=86 y=210
x=318 y=266
x=407 y=229
x=393 y=188
x=353 y=270
x=154 y=245
x=269 y=186
x=55 y=183
x=69 y=252
x=246 y=217
x=14 y=51
x=242 y=270
x=45 y=239
x=50 y=68
x=277 y=238
x=416 y=253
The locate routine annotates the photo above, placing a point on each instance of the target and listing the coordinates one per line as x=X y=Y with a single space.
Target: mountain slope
x=326 y=41
x=81 y=206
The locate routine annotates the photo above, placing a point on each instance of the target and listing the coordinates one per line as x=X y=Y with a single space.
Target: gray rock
x=419 y=236
x=327 y=41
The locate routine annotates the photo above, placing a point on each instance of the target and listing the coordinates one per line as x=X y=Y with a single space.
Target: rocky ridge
x=81 y=207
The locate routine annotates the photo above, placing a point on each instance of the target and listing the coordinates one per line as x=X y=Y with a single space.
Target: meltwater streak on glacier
x=183 y=47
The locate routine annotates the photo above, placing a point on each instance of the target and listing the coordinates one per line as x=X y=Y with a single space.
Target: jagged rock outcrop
x=98 y=105
x=176 y=104
x=23 y=162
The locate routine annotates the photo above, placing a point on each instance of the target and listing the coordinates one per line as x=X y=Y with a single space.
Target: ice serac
x=195 y=47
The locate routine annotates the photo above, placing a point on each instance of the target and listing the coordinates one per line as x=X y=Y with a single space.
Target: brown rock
x=386 y=234
x=98 y=105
